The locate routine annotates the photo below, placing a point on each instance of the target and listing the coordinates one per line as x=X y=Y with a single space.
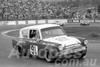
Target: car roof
x=38 y=27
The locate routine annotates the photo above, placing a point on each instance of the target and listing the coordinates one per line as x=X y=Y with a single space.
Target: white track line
x=5 y=32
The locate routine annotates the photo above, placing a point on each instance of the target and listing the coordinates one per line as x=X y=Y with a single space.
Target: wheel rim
x=48 y=57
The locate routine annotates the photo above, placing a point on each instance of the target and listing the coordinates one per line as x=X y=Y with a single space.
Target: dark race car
x=49 y=41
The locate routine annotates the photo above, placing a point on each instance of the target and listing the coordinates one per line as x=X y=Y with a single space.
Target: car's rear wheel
x=20 y=51
x=23 y=52
x=61 y=24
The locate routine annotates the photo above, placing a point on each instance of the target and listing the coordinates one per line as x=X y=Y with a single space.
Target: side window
x=34 y=34
x=25 y=33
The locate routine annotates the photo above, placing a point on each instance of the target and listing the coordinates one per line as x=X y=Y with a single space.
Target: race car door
x=34 y=42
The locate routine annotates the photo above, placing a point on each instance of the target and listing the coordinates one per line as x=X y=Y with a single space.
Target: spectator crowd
x=34 y=9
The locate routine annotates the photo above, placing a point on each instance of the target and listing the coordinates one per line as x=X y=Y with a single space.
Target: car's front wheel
x=48 y=56
x=80 y=55
x=83 y=55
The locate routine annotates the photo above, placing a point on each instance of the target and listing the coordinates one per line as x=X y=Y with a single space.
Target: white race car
x=85 y=22
x=60 y=23
x=50 y=41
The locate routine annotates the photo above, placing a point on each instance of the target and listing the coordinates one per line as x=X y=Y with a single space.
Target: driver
x=36 y=34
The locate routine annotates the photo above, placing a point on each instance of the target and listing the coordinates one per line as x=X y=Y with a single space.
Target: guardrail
x=78 y=20
x=30 y=22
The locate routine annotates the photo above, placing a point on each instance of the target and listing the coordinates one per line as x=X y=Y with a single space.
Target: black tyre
x=80 y=55
x=62 y=25
x=83 y=55
x=20 y=50
x=48 y=57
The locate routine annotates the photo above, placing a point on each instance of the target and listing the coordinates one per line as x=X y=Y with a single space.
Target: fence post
x=79 y=20
x=46 y=21
x=16 y=22
x=26 y=22
x=0 y=22
x=94 y=21
x=36 y=21
x=70 y=20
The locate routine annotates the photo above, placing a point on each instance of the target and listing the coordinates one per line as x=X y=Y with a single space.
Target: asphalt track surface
x=93 y=53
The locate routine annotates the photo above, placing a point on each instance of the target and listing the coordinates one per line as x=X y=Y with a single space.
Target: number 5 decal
x=34 y=49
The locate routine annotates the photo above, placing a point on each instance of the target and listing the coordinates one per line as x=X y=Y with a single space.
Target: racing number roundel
x=34 y=49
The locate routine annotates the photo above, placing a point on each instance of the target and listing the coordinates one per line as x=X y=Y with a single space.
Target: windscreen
x=52 y=32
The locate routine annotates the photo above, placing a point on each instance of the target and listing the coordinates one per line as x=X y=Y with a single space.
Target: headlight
x=85 y=41
x=60 y=47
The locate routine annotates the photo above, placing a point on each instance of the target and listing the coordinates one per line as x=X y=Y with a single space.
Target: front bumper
x=73 y=53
